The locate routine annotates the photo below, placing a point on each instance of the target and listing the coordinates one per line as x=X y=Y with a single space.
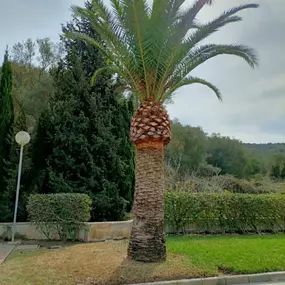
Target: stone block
x=190 y=282
x=236 y=279
x=214 y=281
x=257 y=278
x=277 y=276
x=99 y=231
x=27 y=247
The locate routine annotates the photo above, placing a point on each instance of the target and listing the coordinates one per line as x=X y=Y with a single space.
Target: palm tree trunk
x=147 y=242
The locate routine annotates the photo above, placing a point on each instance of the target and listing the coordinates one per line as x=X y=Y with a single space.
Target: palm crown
x=154 y=48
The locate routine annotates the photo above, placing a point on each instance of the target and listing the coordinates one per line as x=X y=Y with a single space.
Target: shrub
x=236 y=185
x=218 y=184
x=208 y=170
x=194 y=183
x=226 y=212
x=63 y=214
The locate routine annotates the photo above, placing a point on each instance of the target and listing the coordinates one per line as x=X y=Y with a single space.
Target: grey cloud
x=252 y=98
x=20 y=19
x=274 y=127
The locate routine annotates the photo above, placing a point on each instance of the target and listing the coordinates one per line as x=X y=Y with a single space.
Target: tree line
x=194 y=151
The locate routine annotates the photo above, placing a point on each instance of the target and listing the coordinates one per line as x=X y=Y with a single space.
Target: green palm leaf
x=202 y=54
x=191 y=80
x=154 y=49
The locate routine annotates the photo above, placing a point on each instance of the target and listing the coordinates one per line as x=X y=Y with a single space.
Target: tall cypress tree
x=121 y=121
x=87 y=132
x=6 y=116
x=11 y=174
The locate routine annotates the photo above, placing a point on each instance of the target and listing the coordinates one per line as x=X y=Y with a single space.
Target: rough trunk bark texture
x=150 y=132
x=147 y=242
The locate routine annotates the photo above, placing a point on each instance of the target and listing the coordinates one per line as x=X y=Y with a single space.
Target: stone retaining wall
x=94 y=232
x=97 y=231
x=109 y=230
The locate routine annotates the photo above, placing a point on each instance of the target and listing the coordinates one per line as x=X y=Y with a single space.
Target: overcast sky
x=254 y=100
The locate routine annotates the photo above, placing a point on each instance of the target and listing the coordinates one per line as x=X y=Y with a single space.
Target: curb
x=6 y=254
x=227 y=280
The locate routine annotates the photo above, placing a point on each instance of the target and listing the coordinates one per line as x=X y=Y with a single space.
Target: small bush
x=227 y=212
x=208 y=170
x=220 y=183
x=63 y=214
x=195 y=183
x=243 y=186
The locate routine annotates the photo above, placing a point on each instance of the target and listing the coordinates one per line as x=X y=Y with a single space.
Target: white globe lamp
x=22 y=138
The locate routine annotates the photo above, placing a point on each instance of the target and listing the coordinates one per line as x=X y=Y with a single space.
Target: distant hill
x=266 y=150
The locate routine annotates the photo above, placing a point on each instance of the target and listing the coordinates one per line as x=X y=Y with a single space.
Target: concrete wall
x=93 y=232
x=109 y=230
x=97 y=231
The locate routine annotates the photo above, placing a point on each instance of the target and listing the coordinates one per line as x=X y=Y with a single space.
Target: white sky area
x=253 y=109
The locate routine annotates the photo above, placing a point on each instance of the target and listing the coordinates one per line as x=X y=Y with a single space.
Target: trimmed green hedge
x=61 y=214
x=214 y=213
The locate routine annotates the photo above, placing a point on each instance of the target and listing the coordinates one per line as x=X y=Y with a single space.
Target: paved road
x=5 y=250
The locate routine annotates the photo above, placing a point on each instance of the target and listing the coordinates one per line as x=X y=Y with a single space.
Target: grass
x=232 y=254
x=106 y=263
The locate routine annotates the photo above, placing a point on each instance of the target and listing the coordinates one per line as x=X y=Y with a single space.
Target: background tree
x=32 y=86
x=121 y=125
x=31 y=62
x=6 y=118
x=227 y=154
x=88 y=149
x=187 y=150
x=153 y=50
x=277 y=170
x=255 y=165
x=11 y=168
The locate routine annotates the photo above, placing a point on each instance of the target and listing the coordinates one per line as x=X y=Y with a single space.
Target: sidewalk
x=5 y=250
x=270 y=278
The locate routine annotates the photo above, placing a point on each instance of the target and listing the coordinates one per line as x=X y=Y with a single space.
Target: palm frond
x=163 y=17
x=187 y=18
x=135 y=21
x=116 y=4
x=206 y=52
x=224 y=19
x=155 y=49
x=97 y=73
x=192 y=80
x=101 y=9
x=84 y=37
x=174 y=7
x=206 y=30
x=114 y=48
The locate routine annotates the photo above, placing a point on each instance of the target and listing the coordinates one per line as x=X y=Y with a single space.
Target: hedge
x=233 y=213
x=61 y=214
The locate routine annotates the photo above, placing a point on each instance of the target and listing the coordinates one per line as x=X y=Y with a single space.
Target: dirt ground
x=90 y=264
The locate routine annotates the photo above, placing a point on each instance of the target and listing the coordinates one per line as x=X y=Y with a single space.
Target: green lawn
x=106 y=264
x=232 y=254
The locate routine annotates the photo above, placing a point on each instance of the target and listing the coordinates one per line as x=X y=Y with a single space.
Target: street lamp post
x=22 y=138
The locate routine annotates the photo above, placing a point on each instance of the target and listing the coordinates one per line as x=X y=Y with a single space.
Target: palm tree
x=153 y=48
